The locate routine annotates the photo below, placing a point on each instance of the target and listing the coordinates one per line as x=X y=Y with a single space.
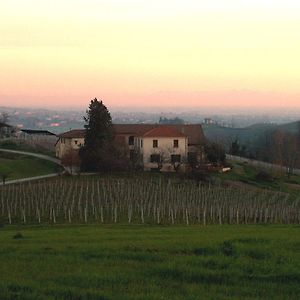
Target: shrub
x=227 y=249
x=264 y=176
x=18 y=236
x=200 y=176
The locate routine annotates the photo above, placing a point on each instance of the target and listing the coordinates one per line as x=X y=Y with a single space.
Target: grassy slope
x=242 y=172
x=290 y=127
x=143 y=262
x=22 y=146
x=249 y=136
x=19 y=166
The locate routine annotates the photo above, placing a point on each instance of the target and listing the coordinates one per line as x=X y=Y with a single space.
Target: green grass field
x=19 y=166
x=23 y=146
x=150 y=262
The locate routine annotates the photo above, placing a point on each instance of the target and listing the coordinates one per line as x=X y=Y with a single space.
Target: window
x=75 y=142
x=175 y=143
x=155 y=143
x=131 y=140
x=175 y=158
x=155 y=158
x=141 y=143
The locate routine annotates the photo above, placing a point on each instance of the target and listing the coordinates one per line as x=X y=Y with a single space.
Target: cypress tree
x=98 y=150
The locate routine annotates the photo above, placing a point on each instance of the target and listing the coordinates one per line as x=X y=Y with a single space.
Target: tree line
x=275 y=146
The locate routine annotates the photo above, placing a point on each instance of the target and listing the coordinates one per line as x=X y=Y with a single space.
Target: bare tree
x=291 y=152
x=71 y=160
x=283 y=149
x=167 y=156
x=4 y=117
x=276 y=148
x=159 y=157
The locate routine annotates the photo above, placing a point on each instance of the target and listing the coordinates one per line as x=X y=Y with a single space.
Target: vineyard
x=151 y=201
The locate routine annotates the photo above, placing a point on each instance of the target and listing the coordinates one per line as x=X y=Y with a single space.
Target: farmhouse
x=163 y=147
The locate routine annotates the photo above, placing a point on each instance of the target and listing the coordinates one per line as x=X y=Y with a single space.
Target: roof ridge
x=163 y=130
x=193 y=132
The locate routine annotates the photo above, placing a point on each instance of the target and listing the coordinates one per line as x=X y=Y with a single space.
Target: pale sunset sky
x=62 y=53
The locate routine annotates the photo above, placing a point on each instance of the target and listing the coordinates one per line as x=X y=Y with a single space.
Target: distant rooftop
x=37 y=131
x=75 y=133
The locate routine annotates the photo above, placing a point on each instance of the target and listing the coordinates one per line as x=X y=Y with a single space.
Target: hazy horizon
x=168 y=109
x=132 y=53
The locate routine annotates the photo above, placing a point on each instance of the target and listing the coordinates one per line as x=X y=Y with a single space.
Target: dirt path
x=29 y=179
x=41 y=156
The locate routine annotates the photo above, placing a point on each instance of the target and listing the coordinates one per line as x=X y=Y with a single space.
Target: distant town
x=58 y=121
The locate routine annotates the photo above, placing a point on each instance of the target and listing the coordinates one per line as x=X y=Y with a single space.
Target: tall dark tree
x=298 y=126
x=234 y=148
x=215 y=153
x=96 y=154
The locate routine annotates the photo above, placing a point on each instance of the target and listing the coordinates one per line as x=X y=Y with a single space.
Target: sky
x=188 y=53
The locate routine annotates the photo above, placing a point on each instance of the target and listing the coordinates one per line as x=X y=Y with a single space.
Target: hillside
x=251 y=136
x=23 y=146
x=290 y=127
x=16 y=166
x=249 y=177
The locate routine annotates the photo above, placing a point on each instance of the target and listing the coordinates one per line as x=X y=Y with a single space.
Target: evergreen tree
x=235 y=148
x=97 y=152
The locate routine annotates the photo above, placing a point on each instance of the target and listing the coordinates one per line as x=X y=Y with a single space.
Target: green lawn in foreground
x=150 y=262
x=20 y=166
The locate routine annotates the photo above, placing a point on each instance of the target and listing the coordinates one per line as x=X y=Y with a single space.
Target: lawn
x=17 y=166
x=23 y=146
x=150 y=262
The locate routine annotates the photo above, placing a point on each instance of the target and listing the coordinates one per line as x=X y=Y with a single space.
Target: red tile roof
x=193 y=132
x=164 y=131
x=134 y=129
x=76 y=133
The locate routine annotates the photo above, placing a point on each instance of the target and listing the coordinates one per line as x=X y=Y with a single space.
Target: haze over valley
x=60 y=120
